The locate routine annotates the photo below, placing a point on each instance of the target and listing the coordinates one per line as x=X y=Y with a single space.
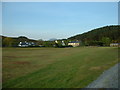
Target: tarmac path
x=109 y=79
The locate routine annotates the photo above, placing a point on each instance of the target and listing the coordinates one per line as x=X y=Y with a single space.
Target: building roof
x=114 y=43
x=23 y=43
x=27 y=43
x=74 y=42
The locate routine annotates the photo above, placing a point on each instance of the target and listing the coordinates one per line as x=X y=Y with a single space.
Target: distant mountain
x=111 y=32
x=52 y=39
x=102 y=36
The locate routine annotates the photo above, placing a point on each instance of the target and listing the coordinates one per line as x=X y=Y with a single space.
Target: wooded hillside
x=103 y=35
x=98 y=37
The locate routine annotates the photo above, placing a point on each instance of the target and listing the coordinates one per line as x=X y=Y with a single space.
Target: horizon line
x=60 y=38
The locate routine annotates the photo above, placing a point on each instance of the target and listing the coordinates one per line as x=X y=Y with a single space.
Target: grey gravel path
x=109 y=79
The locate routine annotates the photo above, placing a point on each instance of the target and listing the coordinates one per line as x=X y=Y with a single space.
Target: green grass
x=55 y=67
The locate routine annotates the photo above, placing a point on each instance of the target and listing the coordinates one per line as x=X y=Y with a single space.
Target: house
x=63 y=43
x=74 y=43
x=23 y=44
x=31 y=44
x=26 y=44
x=115 y=45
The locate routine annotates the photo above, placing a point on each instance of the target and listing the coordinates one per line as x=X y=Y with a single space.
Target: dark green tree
x=8 y=42
x=106 y=41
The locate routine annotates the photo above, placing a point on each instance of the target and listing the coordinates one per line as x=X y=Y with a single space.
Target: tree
x=40 y=40
x=48 y=43
x=106 y=41
x=7 y=42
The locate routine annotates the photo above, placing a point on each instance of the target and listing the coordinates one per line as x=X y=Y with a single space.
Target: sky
x=46 y=20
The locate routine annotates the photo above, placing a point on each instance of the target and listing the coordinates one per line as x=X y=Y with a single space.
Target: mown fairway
x=55 y=67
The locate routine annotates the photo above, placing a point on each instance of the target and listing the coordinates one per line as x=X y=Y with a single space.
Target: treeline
x=14 y=42
x=100 y=36
x=97 y=37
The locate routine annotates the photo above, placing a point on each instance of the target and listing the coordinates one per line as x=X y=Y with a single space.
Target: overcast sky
x=45 y=20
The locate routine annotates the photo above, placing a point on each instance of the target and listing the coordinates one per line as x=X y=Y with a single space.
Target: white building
x=115 y=44
x=74 y=43
x=26 y=44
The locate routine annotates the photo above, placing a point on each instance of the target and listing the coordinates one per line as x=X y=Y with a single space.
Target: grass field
x=55 y=67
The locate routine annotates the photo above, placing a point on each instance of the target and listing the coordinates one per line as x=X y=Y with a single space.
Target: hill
x=14 y=41
x=97 y=37
x=100 y=35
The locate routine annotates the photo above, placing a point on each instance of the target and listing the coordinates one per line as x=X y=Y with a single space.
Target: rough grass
x=55 y=67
